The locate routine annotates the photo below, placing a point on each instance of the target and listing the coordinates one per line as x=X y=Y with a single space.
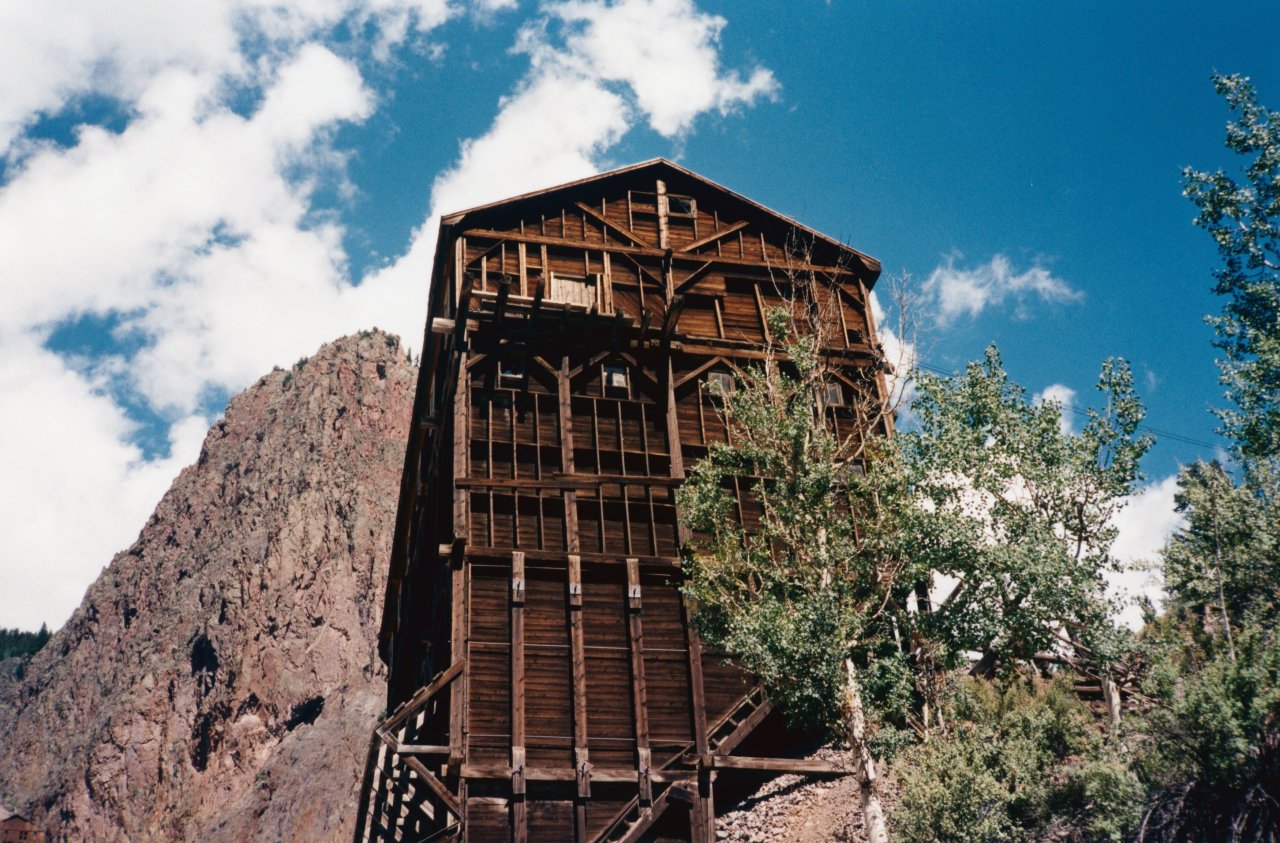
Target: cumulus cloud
x=952 y=291
x=57 y=50
x=190 y=229
x=1144 y=525
x=75 y=490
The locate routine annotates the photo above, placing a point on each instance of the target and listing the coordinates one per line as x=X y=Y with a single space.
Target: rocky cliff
x=220 y=680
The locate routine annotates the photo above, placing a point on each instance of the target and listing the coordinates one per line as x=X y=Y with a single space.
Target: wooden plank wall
x=555 y=537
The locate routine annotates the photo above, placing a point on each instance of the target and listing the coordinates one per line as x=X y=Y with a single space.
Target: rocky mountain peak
x=220 y=679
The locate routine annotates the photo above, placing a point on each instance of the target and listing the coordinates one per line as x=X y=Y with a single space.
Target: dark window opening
x=720 y=384
x=615 y=380
x=681 y=206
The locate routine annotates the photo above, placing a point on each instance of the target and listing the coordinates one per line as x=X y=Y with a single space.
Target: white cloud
x=665 y=51
x=54 y=51
x=1144 y=525
x=75 y=490
x=1065 y=398
x=193 y=228
x=902 y=356
x=952 y=291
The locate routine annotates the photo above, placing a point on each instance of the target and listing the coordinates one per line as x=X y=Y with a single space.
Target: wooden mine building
x=545 y=681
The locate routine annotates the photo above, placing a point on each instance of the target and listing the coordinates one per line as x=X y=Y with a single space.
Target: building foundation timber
x=546 y=680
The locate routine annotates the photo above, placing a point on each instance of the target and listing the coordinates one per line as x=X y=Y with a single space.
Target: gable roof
x=658 y=165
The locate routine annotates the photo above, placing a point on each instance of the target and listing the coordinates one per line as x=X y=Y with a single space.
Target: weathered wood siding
x=563 y=392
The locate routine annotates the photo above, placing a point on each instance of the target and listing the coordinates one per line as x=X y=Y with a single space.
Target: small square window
x=833 y=395
x=615 y=377
x=720 y=384
x=681 y=206
x=574 y=289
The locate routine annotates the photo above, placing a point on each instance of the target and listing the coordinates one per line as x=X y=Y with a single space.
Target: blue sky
x=190 y=194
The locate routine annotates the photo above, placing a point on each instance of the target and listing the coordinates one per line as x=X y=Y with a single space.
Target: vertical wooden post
x=566 y=455
x=457 y=564
x=664 y=208
x=664 y=238
x=581 y=763
x=607 y=278
x=519 y=805
x=638 y=691
x=523 y=268
x=674 y=448
x=703 y=817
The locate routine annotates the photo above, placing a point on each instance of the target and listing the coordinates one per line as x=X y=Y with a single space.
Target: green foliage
x=1212 y=751
x=1017 y=509
x=988 y=490
x=1243 y=217
x=16 y=643
x=1019 y=761
x=1225 y=561
x=796 y=597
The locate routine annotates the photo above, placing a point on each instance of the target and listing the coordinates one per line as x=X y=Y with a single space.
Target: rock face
x=220 y=680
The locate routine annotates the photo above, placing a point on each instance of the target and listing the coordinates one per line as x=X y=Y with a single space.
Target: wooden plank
x=703 y=817
x=519 y=806
x=618 y=227
x=567 y=775
x=458 y=571
x=578 y=669
x=522 y=259
x=562 y=481
x=804 y=766
x=639 y=693
x=457 y=647
x=664 y=224
x=714 y=236
x=421 y=749
x=564 y=409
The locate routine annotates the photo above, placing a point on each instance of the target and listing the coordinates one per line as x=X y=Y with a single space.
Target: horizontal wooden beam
x=504 y=553
x=611 y=775
x=421 y=749
x=803 y=766
x=562 y=481
x=641 y=251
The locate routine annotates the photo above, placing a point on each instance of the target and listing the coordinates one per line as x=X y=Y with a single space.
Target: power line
x=1177 y=437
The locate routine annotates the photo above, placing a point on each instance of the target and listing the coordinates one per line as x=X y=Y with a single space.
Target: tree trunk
x=864 y=764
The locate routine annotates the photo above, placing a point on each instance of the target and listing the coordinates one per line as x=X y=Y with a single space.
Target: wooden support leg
x=638 y=690
x=703 y=814
x=577 y=647
x=519 y=813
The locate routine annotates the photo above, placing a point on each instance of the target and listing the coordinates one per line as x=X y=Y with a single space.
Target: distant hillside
x=220 y=680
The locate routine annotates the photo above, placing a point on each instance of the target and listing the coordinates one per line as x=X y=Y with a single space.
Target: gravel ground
x=799 y=809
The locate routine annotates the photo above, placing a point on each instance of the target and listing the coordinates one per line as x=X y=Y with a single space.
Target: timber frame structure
x=545 y=680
